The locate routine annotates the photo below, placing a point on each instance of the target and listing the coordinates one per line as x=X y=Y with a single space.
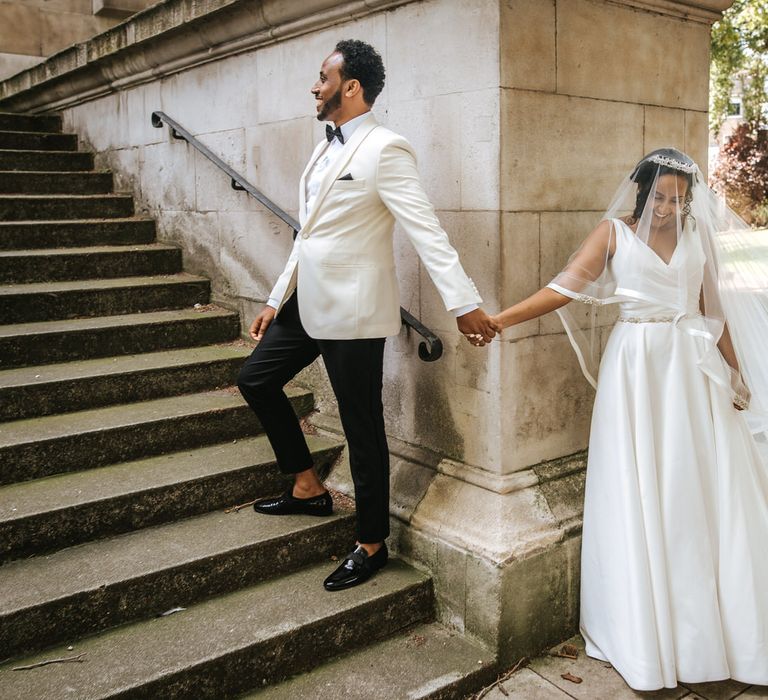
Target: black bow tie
x=330 y=133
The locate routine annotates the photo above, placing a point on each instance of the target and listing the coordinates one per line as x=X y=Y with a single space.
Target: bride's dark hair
x=645 y=172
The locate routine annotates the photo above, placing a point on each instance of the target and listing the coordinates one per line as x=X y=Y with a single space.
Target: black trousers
x=355 y=368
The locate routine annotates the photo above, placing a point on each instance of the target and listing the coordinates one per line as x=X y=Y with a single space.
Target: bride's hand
x=742 y=398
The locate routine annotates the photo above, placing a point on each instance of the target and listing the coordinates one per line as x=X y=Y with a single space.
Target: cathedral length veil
x=733 y=300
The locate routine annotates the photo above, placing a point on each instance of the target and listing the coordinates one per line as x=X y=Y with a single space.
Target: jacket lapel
x=303 y=181
x=339 y=164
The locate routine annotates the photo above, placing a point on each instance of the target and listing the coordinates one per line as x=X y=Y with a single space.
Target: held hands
x=478 y=327
x=261 y=323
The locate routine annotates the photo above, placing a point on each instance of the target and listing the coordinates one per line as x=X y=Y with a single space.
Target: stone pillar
x=586 y=87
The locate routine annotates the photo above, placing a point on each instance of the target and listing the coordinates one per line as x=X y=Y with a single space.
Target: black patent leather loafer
x=288 y=504
x=356 y=568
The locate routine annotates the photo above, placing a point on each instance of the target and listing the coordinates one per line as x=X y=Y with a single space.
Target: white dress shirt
x=315 y=176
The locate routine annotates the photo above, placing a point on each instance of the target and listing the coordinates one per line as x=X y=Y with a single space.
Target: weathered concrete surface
x=37 y=447
x=43 y=390
x=86 y=262
x=80 y=590
x=542 y=679
x=428 y=662
x=38 y=301
x=33 y=235
x=60 y=341
x=232 y=643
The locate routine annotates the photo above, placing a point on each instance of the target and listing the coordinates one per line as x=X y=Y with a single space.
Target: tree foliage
x=740 y=53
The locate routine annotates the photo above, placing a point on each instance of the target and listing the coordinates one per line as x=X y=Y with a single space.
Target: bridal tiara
x=673 y=163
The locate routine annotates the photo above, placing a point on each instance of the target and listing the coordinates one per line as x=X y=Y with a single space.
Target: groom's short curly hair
x=363 y=63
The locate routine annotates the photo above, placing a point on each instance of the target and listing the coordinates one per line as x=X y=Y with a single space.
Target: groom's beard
x=330 y=106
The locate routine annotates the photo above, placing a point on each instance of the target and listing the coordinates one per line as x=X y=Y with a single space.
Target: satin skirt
x=674 y=572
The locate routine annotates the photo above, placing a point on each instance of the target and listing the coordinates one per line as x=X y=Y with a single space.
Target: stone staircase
x=122 y=442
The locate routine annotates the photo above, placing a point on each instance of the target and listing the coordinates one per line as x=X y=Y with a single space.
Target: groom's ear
x=353 y=87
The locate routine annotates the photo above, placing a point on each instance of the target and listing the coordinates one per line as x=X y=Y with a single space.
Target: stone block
x=477 y=238
x=433 y=126
x=480 y=130
x=618 y=53
x=216 y=96
x=254 y=248
x=697 y=138
x=527 y=44
x=541 y=601
x=286 y=71
x=213 y=186
x=168 y=176
x=20 y=29
x=124 y=164
x=546 y=402
x=197 y=234
x=82 y=7
x=561 y=235
x=276 y=155
x=557 y=164
x=451 y=47
x=12 y=63
x=119 y=9
x=61 y=29
x=526 y=684
x=484 y=602
x=664 y=127
x=520 y=259
x=451 y=584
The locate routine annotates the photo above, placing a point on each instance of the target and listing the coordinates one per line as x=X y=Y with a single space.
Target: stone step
x=50 y=342
x=15 y=207
x=35 y=447
x=49 y=301
x=231 y=643
x=14 y=159
x=428 y=662
x=44 y=390
x=67 y=509
x=37 y=141
x=20 y=235
x=85 y=589
x=30 y=122
x=25 y=182
x=64 y=264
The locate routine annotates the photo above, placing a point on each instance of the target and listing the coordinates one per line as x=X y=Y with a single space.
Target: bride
x=674 y=575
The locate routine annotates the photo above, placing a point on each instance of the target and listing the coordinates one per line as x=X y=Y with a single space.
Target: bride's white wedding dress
x=674 y=577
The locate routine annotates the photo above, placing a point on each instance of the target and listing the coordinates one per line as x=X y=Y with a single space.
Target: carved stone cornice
x=169 y=37
x=178 y=34
x=706 y=11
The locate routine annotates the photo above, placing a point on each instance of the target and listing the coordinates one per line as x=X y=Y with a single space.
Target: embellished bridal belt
x=656 y=319
x=646 y=319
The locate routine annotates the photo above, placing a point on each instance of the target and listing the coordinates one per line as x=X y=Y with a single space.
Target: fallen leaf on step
x=570 y=677
x=569 y=649
x=171 y=611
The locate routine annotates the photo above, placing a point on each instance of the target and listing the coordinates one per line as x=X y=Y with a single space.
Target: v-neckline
x=658 y=257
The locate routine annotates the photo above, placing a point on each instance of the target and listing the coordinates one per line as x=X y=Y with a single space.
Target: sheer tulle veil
x=678 y=226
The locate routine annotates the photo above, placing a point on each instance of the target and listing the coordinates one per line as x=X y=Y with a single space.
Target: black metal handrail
x=430 y=349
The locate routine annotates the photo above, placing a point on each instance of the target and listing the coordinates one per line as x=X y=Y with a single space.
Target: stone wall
x=31 y=30
x=524 y=114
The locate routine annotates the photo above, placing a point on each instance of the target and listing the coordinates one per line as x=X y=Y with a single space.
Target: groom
x=338 y=297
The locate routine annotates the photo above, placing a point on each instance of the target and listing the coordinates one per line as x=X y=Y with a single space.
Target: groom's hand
x=478 y=327
x=261 y=323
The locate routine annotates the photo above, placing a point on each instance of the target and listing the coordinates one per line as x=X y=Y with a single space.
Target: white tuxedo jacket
x=343 y=259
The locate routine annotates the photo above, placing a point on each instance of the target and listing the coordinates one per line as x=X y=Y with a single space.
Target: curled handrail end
x=157 y=120
x=432 y=351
